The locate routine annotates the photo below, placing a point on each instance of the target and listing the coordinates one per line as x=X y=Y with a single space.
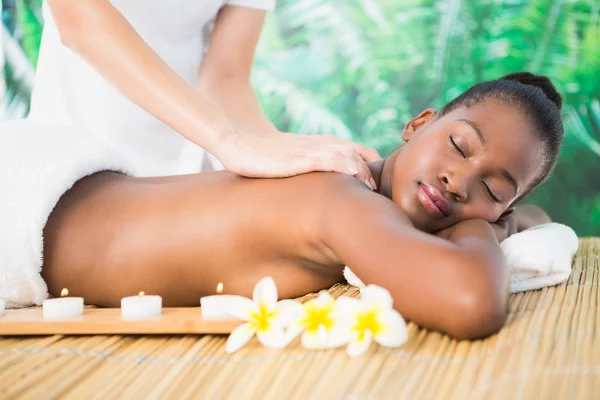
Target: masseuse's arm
x=104 y=38
x=225 y=73
x=457 y=286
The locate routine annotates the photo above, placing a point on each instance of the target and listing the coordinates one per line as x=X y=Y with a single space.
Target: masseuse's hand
x=279 y=155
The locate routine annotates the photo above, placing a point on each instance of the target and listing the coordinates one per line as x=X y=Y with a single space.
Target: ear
x=417 y=122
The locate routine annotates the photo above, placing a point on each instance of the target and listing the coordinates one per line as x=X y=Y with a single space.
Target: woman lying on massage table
x=430 y=236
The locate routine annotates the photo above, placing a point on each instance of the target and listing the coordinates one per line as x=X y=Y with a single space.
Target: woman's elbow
x=480 y=299
x=70 y=17
x=479 y=315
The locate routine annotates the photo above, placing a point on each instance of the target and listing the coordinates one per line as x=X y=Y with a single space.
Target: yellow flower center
x=367 y=320
x=318 y=314
x=261 y=320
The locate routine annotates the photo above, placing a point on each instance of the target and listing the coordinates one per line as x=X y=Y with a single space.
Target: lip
x=433 y=201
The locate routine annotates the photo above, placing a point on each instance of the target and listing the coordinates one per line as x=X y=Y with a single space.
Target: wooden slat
x=95 y=321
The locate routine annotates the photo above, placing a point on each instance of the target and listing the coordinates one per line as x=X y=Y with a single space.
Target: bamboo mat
x=549 y=348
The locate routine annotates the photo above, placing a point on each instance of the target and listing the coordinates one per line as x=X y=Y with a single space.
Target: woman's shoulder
x=344 y=202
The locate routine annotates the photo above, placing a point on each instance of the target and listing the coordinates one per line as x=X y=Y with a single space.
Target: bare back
x=112 y=236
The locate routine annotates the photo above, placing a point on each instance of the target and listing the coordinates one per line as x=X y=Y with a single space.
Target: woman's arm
x=103 y=37
x=225 y=73
x=225 y=80
x=530 y=215
x=458 y=286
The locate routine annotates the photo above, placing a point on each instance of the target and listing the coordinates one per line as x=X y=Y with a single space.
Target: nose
x=456 y=185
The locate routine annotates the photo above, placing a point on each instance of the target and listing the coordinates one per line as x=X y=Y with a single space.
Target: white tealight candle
x=1 y=307
x=217 y=307
x=141 y=307
x=62 y=307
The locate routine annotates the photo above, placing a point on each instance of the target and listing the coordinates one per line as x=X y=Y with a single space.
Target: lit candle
x=217 y=307
x=63 y=307
x=1 y=307
x=141 y=306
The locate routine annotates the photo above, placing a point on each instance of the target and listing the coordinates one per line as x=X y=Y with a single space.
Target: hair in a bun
x=540 y=81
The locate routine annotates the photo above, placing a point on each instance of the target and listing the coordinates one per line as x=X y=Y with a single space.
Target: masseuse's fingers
x=366 y=153
x=343 y=159
x=351 y=158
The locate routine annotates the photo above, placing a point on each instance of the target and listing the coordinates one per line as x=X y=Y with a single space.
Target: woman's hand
x=279 y=155
x=529 y=215
x=505 y=227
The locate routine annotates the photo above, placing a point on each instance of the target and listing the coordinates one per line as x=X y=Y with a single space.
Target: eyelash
x=456 y=147
x=494 y=198
x=487 y=188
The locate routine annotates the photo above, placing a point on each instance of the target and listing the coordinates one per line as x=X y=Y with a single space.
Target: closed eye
x=456 y=147
x=491 y=194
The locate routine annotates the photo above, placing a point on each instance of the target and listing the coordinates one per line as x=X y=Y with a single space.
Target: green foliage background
x=360 y=69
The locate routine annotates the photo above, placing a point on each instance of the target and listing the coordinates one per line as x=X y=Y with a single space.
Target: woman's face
x=471 y=163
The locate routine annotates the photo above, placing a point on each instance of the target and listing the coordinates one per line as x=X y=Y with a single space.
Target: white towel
x=38 y=164
x=537 y=257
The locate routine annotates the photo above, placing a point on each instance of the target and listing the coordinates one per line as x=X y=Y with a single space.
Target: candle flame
x=142 y=293
x=64 y=292
x=220 y=288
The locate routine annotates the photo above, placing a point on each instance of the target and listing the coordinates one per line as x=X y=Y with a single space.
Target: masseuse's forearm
x=234 y=96
x=105 y=39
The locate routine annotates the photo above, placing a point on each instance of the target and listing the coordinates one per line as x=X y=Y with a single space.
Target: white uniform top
x=68 y=90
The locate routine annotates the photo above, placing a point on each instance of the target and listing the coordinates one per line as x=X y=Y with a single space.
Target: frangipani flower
x=370 y=318
x=265 y=317
x=316 y=321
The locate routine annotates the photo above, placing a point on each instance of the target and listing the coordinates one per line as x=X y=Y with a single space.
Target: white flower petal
x=288 y=311
x=358 y=346
x=376 y=296
x=265 y=292
x=241 y=308
x=324 y=303
x=272 y=337
x=315 y=339
x=323 y=298
x=346 y=307
x=341 y=333
x=393 y=332
x=216 y=307
x=293 y=331
x=239 y=337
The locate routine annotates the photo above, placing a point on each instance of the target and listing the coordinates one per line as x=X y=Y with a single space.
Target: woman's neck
x=383 y=173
